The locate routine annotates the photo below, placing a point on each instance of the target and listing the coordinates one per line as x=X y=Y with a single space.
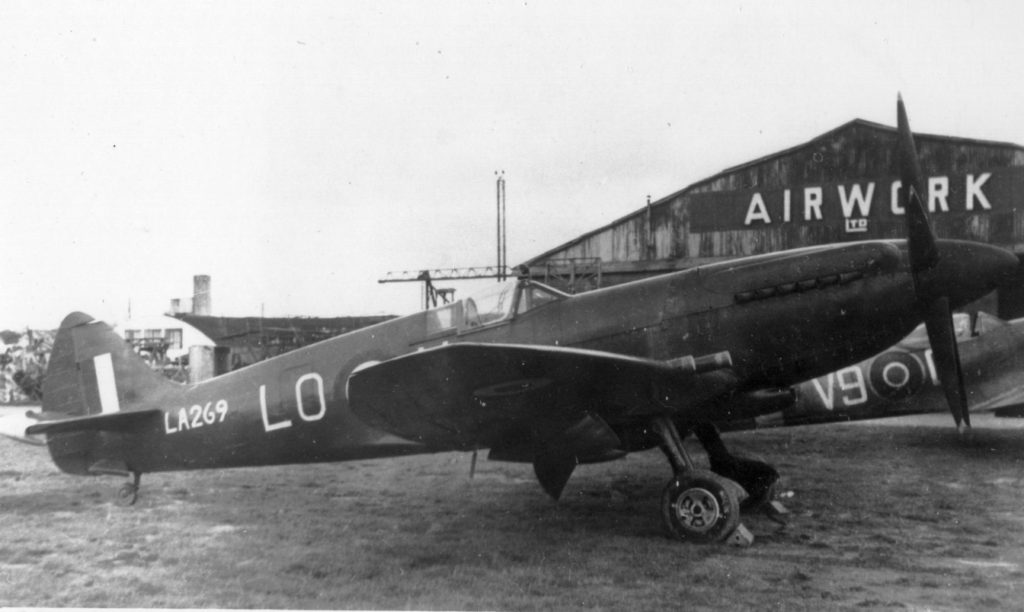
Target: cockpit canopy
x=492 y=305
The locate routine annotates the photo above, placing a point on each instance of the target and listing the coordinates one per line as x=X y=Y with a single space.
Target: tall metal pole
x=504 y=230
x=502 y=251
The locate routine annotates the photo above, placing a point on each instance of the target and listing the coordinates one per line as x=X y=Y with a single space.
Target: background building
x=840 y=186
x=160 y=337
x=247 y=340
x=240 y=341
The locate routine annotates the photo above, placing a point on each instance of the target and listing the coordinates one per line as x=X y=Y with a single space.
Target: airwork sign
x=853 y=205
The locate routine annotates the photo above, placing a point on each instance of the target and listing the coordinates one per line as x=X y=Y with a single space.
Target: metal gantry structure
x=433 y=295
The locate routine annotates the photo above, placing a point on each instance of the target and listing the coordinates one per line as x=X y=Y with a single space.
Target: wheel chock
x=776 y=512
x=741 y=537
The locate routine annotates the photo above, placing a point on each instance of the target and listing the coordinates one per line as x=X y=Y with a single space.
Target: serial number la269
x=197 y=416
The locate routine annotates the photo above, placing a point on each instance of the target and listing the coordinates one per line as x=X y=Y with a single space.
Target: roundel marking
x=896 y=375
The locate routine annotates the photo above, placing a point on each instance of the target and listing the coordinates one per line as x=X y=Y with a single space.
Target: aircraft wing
x=466 y=396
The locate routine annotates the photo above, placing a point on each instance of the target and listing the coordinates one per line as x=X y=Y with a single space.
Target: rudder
x=92 y=370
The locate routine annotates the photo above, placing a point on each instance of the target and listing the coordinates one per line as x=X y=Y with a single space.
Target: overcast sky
x=297 y=151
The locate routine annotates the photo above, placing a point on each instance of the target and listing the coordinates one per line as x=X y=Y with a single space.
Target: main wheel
x=698 y=506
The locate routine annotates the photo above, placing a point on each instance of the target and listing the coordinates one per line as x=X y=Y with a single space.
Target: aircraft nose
x=966 y=271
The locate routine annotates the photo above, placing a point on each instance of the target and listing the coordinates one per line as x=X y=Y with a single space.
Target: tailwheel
x=700 y=506
x=128 y=494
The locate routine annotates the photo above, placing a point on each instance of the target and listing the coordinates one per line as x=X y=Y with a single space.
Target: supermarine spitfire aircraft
x=904 y=379
x=535 y=375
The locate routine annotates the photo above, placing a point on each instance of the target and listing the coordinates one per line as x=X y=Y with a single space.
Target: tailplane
x=94 y=381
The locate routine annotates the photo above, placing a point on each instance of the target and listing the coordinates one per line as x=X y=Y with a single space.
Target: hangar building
x=840 y=186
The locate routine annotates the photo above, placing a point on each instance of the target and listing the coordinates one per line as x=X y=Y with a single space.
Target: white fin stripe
x=105 y=383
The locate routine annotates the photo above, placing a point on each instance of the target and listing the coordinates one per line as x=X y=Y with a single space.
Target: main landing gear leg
x=756 y=477
x=128 y=494
x=698 y=505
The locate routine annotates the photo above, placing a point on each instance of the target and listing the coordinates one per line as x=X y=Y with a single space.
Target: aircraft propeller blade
x=924 y=256
x=939 y=322
x=920 y=239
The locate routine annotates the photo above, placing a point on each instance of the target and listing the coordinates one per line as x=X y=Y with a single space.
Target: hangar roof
x=231 y=331
x=706 y=182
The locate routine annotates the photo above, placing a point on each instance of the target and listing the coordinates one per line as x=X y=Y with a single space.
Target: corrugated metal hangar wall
x=838 y=187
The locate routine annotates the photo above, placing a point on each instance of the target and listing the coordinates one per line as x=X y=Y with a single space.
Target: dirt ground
x=898 y=514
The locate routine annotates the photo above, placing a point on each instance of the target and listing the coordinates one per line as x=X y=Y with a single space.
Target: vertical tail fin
x=92 y=370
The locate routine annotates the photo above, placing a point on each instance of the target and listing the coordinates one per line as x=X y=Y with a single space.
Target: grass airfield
x=892 y=514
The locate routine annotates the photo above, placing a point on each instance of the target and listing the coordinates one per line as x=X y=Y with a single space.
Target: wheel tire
x=698 y=506
x=127 y=495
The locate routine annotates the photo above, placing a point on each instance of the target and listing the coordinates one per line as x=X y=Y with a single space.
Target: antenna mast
x=502 y=248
